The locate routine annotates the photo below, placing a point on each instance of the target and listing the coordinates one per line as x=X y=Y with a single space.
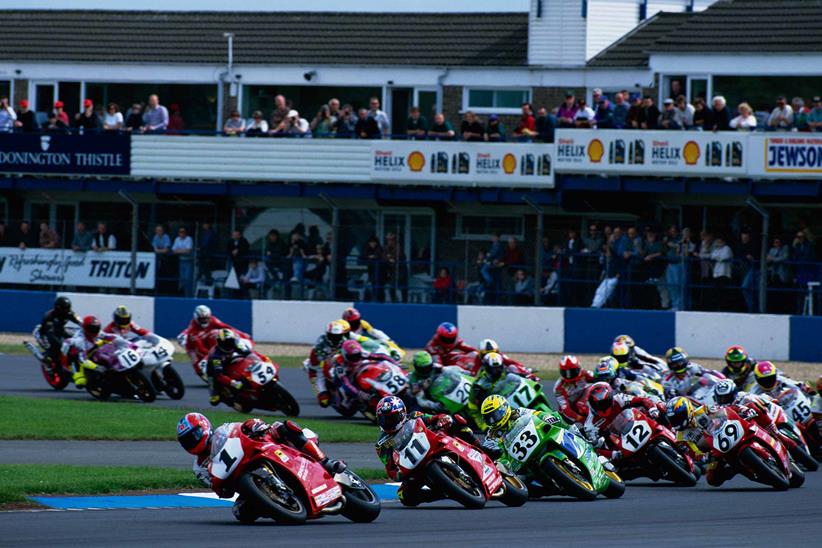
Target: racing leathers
x=199 y=340
x=687 y=383
x=511 y=366
x=440 y=350
x=53 y=331
x=318 y=366
x=216 y=363
x=344 y=376
x=80 y=350
x=782 y=383
x=743 y=382
x=128 y=332
x=645 y=364
x=421 y=387
x=595 y=424
x=568 y=393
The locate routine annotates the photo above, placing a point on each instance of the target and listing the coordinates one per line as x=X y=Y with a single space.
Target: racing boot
x=79 y=376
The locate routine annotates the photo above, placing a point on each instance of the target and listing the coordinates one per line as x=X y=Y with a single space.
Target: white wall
x=608 y=21
x=516 y=329
x=102 y=306
x=298 y=322
x=709 y=334
x=558 y=37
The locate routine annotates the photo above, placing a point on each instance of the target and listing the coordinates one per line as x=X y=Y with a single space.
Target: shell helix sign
x=469 y=164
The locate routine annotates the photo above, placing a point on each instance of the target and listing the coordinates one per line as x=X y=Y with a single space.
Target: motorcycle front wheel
x=515 y=491
x=456 y=483
x=284 y=401
x=56 y=377
x=274 y=498
x=616 y=487
x=767 y=472
x=569 y=477
x=142 y=386
x=800 y=453
x=672 y=464
x=174 y=387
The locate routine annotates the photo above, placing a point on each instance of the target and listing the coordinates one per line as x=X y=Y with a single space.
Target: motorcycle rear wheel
x=616 y=487
x=800 y=453
x=766 y=472
x=569 y=480
x=672 y=465
x=56 y=378
x=443 y=475
x=253 y=487
x=174 y=386
x=98 y=388
x=142 y=386
x=361 y=504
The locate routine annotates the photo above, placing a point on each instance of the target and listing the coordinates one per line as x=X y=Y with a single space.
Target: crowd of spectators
x=25 y=236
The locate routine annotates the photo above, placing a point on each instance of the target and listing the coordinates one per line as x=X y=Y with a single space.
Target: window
x=500 y=101
x=480 y=227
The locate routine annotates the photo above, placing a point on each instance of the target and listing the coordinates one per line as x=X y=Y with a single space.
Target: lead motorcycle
x=119 y=371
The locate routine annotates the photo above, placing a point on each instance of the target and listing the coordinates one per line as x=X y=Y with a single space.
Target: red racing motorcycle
x=285 y=484
x=261 y=386
x=58 y=375
x=380 y=379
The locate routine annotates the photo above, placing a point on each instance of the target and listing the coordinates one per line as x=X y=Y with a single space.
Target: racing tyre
x=57 y=379
x=767 y=472
x=284 y=401
x=361 y=503
x=142 y=386
x=272 y=497
x=569 y=477
x=672 y=464
x=616 y=487
x=800 y=453
x=174 y=387
x=797 y=476
x=515 y=491
x=456 y=483
x=98 y=388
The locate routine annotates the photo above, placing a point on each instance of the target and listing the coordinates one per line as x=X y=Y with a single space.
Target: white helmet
x=725 y=392
x=486 y=346
x=202 y=315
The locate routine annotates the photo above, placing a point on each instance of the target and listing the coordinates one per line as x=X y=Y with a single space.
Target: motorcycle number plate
x=460 y=393
x=523 y=444
x=728 y=435
x=635 y=438
x=128 y=358
x=414 y=451
x=263 y=373
x=227 y=459
x=800 y=410
x=522 y=396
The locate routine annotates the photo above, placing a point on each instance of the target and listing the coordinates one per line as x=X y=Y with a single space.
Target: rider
x=487 y=346
x=684 y=376
x=641 y=355
x=195 y=435
x=425 y=370
x=770 y=381
x=318 y=363
x=53 y=327
x=569 y=388
x=219 y=358
x=363 y=328
x=739 y=367
x=122 y=325
x=493 y=370
x=627 y=356
x=344 y=368
x=82 y=346
x=622 y=379
x=199 y=334
x=446 y=340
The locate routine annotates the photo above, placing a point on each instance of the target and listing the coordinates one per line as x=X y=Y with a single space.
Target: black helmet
x=122 y=316
x=62 y=304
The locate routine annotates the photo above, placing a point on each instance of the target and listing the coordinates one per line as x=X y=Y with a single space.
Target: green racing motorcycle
x=451 y=388
x=522 y=392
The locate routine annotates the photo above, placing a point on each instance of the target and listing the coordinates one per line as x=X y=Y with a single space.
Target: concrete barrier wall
x=709 y=334
x=516 y=329
x=292 y=321
x=102 y=306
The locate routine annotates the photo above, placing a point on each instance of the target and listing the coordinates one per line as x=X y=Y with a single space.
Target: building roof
x=632 y=49
x=442 y=39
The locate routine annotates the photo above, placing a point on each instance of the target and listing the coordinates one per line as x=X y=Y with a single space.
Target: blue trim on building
x=593 y=329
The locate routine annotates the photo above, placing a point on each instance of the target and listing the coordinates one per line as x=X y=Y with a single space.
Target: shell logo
x=416 y=161
x=596 y=150
x=509 y=163
x=690 y=152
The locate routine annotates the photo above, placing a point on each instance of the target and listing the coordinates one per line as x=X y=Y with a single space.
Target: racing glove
x=653 y=413
x=443 y=422
x=236 y=385
x=214 y=400
x=254 y=427
x=324 y=398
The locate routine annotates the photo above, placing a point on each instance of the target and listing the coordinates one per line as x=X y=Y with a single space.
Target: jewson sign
x=786 y=155
x=66 y=267
x=480 y=164
x=94 y=154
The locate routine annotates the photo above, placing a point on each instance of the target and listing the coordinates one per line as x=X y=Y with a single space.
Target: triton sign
x=97 y=154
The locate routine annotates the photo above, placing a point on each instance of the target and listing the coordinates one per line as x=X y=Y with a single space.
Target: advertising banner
x=468 y=164
x=90 y=154
x=67 y=267
x=786 y=155
x=673 y=153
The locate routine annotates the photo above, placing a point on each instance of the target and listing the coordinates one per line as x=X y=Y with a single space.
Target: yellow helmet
x=621 y=351
x=496 y=412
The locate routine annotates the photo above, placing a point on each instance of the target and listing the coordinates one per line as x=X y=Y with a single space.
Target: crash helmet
x=447 y=334
x=121 y=316
x=496 y=411
x=62 y=304
x=351 y=352
x=601 y=398
x=353 y=317
x=391 y=414
x=569 y=368
x=765 y=374
x=677 y=360
x=335 y=332
x=725 y=392
x=91 y=327
x=226 y=340
x=486 y=346
x=738 y=361
x=493 y=365
x=194 y=433
x=607 y=368
x=626 y=340
x=679 y=412
x=622 y=352
x=202 y=315
x=423 y=364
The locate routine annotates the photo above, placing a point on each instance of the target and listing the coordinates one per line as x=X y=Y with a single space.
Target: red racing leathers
x=596 y=424
x=511 y=366
x=439 y=349
x=129 y=332
x=200 y=340
x=568 y=393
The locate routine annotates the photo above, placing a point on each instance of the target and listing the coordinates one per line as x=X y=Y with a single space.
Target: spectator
x=513 y=258
x=679 y=248
x=635 y=113
x=235 y=125
x=155 y=118
x=317 y=265
x=82 y=240
x=494 y=132
x=585 y=116
x=103 y=240
x=546 y=124
x=800 y=114
x=280 y=112
x=649 y=114
x=748 y=252
x=593 y=241
x=441 y=129
x=684 y=113
x=396 y=270
x=778 y=272
x=161 y=243
x=7 y=116
x=26 y=119
x=570 y=283
x=815 y=115
x=781 y=117
x=183 y=248
x=604 y=117
x=26 y=237
x=334 y=110
x=176 y=123
x=380 y=117
x=596 y=96
x=345 y=128
x=238 y=248
x=60 y=113
x=706 y=247
x=746 y=120
x=134 y=120
x=676 y=89
x=371 y=256
x=567 y=113
x=523 y=288
x=620 y=118
x=296 y=125
x=475 y=291
x=443 y=287
x=471 y=129
x=256 y=126
x=322 y=124
x=526 y=128
x=366 y=127
x=610 y=278
x=53 y=125
x=314 y=239
x=206 y=251
x=275 y=252
x=113 y=118
x=297 y=254
x=720 y=117
x=804 y=255
x=253 y=279
x=722 y=257
x=667 y=118
x=416 y=126
x=48 y=237
x=700 y=114
x=491 y=271
x=655 y=265
x=88 y=119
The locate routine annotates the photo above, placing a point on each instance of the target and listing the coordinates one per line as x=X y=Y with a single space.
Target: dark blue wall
x=593 y=330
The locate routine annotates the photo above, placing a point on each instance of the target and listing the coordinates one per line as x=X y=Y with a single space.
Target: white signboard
x=475 y=164
x=66 y=267
x=676 y=153
x=786 y=155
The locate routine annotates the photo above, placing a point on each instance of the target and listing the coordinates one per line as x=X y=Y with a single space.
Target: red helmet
x=601 y=398
x=91 y=327
x=353 y=317
x=569 y=368
x=351 y=352
x=194 y=433
x=447 y=334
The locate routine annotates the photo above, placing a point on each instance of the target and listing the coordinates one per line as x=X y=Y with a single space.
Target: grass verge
x=49 y=419
x=20 y=481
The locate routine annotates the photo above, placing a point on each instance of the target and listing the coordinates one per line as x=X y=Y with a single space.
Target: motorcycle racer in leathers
x=445 y=341
x=122 y=325
x=487 y=346
x=219 y=358
x=200 y=336
x=739 y=367
x=569 y=388
x=362 y=328
x=80 y=348
x=770 y=381
x=627 y=356
x=685 y=376
x=53 y=327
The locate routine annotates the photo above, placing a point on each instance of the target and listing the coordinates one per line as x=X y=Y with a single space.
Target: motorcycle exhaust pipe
x=34 y=350
x=335 y=508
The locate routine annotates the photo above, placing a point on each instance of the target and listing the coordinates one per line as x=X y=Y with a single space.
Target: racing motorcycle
x=649 y=449
x=558 y=461
x=799 y=409
x=261 y=386
x=209 y=341
x=119 y=371
x=58 y=375
x=380 y=379
x=451 y=389
x=453 y=468
x=750 y=449
x=285 y=484
x=465 y=360
x=801 y=454
x=156 y=355
x=522 y=392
